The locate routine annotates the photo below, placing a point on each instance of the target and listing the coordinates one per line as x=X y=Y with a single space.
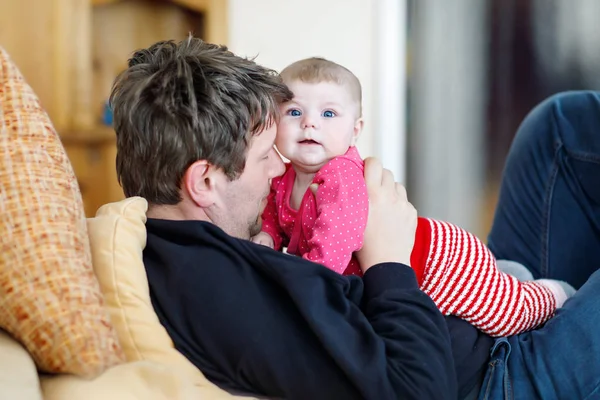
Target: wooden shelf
x=194 y=5
x=97 y=136
x=93 y=153
x=83 y=45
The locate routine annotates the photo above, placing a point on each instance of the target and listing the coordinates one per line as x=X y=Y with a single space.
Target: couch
x=76 y=321
x=157 y=370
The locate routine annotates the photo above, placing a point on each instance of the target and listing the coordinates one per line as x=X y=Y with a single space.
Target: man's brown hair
x=318 y=69
x=178 y=103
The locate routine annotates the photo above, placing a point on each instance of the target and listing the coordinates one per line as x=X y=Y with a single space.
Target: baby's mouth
x=308 y=141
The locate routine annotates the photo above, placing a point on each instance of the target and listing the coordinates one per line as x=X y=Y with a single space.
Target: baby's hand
x=263 y=238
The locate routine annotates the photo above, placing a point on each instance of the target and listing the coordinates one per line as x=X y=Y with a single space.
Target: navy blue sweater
x=265 y=323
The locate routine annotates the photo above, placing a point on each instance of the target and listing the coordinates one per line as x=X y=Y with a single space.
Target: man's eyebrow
x=267 y=150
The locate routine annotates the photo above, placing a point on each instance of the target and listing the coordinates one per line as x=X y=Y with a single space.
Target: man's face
x=244 y=199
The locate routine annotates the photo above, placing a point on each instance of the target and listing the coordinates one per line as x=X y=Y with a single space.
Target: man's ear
x=199 y=182
x=358 y=127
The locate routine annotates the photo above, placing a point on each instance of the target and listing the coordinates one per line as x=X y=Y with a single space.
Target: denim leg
x=558 y=361
x=561 y=360
x=497 y=384
x=548 y=218
x=548 y=214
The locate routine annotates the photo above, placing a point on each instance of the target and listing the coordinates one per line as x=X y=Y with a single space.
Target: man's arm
x=288 y=328
x=395 y=346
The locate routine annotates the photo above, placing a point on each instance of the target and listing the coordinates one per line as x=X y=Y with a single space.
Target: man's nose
x=277 y=166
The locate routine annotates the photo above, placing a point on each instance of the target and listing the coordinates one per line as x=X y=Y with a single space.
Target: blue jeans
x=548 y=219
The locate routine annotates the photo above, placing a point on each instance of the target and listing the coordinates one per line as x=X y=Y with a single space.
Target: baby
x=317 y=133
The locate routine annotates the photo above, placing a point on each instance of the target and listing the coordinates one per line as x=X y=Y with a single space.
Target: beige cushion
x=49 y=298
x=118 y=237
x=18 y=375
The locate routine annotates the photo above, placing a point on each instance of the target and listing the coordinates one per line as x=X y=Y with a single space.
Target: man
x=195 y=129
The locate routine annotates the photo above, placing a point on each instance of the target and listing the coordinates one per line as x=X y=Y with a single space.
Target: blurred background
x=446 y=83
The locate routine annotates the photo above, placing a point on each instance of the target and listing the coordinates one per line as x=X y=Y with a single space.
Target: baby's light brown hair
x=318 y=69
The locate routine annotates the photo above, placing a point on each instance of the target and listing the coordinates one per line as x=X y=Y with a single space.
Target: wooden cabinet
x=70 y=51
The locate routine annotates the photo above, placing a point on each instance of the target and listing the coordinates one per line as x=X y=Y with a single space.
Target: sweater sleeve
x=461 y=277
x=270 y=216
x=342 y=208
x=397 y=346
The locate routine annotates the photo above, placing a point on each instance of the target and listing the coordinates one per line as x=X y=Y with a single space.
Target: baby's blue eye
x=328 y=114
x=294 y=113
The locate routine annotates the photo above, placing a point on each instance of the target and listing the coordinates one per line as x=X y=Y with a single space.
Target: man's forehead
x=265 y=139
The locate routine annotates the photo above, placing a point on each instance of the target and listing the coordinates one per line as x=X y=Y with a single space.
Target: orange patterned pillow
x=50 y=299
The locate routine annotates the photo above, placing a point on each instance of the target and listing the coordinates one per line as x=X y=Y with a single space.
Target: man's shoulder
x=188 y=248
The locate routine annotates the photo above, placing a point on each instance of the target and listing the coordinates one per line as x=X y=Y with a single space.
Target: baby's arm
x=270 y=222
x=342 y=209
x=264 y=238
x=462 y=278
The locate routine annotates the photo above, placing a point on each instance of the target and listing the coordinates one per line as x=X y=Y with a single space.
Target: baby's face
x=320 y=123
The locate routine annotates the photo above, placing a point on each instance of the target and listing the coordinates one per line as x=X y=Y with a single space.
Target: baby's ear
x=358 y=126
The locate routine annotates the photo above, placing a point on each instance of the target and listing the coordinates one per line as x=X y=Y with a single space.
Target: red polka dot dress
x=328 y=227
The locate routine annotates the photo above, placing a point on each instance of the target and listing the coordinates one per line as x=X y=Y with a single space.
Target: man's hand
x=263 y=238
x=392 y=222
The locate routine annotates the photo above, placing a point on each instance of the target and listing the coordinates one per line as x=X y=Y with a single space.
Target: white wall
x=448 y=83
x=280 y=32
x=449 y=110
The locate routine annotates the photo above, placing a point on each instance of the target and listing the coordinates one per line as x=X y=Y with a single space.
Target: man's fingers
x=401 y=190
x=387 y=179
x=373 y=173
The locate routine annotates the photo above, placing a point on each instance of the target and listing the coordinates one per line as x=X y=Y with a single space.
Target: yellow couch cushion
x=140 y=380
x=50 y=300
x=118 y=237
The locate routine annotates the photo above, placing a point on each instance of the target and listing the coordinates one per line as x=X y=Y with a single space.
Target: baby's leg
x=515 y=269
x=561 y=289
x=462 y=278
